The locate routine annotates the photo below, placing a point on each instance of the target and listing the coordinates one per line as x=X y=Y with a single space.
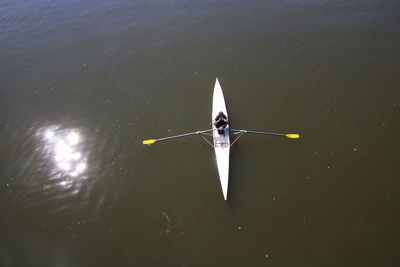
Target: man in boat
x=220 y=122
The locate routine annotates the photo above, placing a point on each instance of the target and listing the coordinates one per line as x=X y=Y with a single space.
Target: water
x=82 y=83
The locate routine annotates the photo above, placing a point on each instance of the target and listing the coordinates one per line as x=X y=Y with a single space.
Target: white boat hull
x=221 y=142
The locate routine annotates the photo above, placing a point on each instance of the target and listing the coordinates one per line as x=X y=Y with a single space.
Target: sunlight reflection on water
x=65 y=149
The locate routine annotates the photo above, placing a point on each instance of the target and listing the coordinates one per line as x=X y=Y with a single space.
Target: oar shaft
x=183 y=135
x=256 y=132
x=175 y=136
x=265 y=133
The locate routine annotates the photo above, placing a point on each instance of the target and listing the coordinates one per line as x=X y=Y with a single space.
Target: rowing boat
x=221 y=141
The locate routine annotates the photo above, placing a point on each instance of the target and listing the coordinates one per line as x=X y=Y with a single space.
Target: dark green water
x=82 y=83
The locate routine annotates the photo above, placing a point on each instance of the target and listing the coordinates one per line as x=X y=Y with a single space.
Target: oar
x=266 y=133
x=152 y=141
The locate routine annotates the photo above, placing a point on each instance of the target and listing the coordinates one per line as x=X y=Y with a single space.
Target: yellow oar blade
x=292 y=135
x=149 y=142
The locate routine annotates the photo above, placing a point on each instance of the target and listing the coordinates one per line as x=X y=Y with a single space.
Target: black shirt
x=219 y=116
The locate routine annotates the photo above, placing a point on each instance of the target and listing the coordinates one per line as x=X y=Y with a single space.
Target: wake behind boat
x=221 y=138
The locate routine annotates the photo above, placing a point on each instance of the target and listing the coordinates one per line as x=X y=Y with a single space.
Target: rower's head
x=221 y=113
